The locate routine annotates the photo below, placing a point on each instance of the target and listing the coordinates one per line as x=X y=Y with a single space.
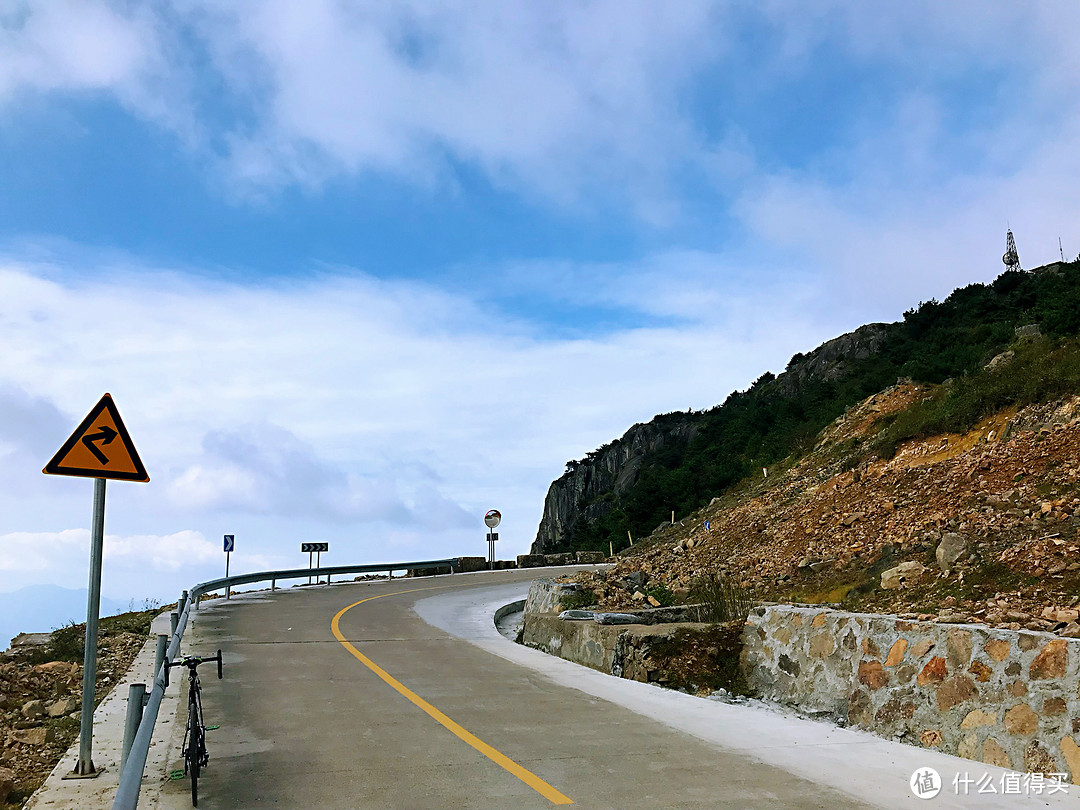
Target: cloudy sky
x=358 y=272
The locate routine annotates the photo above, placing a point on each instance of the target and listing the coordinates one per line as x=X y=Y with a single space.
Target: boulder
x=616 y=618
x=33 y=709
x=952 y=548
x=63 y=706
x=1000 y=360
x=590 y=557
x=7 y=783
x=33 y=736
x=904 y=573
x=635 y=580
x=577 y=615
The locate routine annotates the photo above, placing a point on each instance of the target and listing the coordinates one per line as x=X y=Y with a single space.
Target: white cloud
x=572 y=102
x=109 y=49
x=375 y=415
x=26 y=552
x=537 y=97
x=169 y=552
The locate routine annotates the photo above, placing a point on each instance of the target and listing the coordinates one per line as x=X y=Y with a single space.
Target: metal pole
x=174 y=620
x=273 y=584
x=310 y=555
x=183 y=601
x=228 y=587
x=318 y=560
x=159 y=654
x=85 y=765
x=136 y=699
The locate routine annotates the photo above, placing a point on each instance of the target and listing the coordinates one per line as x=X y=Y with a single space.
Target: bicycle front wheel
x=194 y=761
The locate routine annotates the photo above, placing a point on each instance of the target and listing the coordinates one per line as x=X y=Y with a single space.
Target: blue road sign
x=230 y=542
x=708 y=525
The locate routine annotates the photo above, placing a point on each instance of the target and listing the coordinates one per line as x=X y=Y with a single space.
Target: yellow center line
x=503 y=761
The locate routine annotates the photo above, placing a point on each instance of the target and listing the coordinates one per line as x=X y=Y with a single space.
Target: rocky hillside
x=40 y=696
x=681 y=461
x=982 y=526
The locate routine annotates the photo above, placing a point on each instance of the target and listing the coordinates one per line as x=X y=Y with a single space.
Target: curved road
x=400 y=695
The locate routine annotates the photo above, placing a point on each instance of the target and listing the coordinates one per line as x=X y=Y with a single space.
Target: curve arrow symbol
x=105 y=436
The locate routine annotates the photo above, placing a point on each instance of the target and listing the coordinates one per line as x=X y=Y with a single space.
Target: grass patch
x=662 y=594
x=722 y=599
x=578 y=600
x=1042 y=370
x=697 y=658
x=137 y=622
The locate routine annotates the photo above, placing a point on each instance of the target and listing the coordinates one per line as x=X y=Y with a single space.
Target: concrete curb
x=98 y=793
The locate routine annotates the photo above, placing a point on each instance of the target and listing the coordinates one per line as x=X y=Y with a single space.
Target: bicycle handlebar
x=192 y=663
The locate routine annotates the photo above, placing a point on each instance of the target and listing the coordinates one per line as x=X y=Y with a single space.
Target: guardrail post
x=228 y=590
x=174 y=621
x=273 y=584
x=180 y=605
x=159 y=655
x=327 y=577
x=136 y=701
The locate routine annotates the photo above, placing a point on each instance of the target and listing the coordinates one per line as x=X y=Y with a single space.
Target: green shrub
x=662 y=594
x=67 y=643
x=708 y=453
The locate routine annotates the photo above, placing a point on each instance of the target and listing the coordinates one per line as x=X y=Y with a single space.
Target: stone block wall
x=640 y=652
x=1007 y=698
x=586 y=643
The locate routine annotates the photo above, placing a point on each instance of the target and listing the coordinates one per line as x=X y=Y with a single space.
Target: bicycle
x=195 y=754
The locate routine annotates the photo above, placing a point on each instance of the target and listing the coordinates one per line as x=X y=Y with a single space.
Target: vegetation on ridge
x=939 y=341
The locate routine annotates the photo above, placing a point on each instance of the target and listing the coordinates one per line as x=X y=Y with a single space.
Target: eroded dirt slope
x=823 y=530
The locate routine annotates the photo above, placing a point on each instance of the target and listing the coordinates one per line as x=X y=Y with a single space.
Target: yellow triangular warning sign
x=100 y=447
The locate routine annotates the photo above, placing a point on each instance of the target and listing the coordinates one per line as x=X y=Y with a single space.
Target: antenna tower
x=1011 y=257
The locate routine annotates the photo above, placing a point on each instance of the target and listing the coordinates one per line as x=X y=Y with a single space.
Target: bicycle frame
x=194 y=746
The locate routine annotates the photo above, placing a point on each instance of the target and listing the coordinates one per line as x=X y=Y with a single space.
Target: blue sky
x=359 y=272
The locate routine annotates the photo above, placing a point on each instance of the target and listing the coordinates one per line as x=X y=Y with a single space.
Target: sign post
x=90 y=453
x=312 y=549
x=230 y=544
x=491 y=520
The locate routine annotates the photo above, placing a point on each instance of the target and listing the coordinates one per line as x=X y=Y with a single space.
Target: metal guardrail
x=127 y=794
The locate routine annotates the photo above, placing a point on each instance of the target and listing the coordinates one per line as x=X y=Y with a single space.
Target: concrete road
x=392 y=712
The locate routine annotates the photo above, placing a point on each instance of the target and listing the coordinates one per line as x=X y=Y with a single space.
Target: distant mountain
x=41 y=608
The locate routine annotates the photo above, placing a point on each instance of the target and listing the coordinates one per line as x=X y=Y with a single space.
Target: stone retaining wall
x=624 y=650
x=1007 y=698
x=1002 y=697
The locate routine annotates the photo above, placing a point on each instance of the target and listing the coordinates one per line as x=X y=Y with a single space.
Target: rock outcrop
x=590 y=488
x=587 y=488
x=832 y=360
